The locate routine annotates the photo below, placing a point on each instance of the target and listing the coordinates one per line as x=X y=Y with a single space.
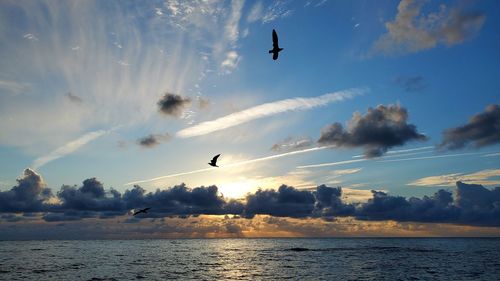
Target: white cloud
x=265 y=110
x=108 y=60
x=231 y=62
x=484 y=177
x=13 y=87
x=255 y=13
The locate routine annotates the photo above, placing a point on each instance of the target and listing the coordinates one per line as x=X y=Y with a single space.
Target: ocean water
x=252 y=259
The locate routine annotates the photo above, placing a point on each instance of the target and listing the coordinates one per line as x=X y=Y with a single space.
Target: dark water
x=252 y=259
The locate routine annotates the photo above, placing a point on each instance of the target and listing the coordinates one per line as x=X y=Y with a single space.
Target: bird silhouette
x=145 y=210
x=213 y=162
x=276 y=48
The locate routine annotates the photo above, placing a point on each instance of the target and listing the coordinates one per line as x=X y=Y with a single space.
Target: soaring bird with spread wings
x=141 y=211
x=213 y=162
x=276 y=48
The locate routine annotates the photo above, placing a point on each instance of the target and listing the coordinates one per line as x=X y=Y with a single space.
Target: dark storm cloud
x=378 y=130
x=172 y=104
x=291 y=144
x=473 y=204
x=28 y=195
x=153 y=140
x=411 y=83
x=286 y=202
x=482 y=129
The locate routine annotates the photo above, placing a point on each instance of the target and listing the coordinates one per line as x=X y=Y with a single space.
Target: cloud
x=278 y=9
x=203 y=103
x=265 y=110
x=329 y=202
x=291 y=144
x=173 y=105
x=484 y=177
x=378 y=130
x=413 y=31
x=73 y=98
x=161 y=51
x=153 y=140
x=481 y=130
x=255 y=13
x=286 y=202
x=13 y=87
x=29 y=195
x=473 y=204
x=411 y=83
x=231 y=62
x=68 y=148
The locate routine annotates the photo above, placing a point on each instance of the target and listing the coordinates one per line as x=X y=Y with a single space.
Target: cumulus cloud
x=153 y=140
x=412 y=30
x=29 y=195
x=473 y=204
x=378 y=130
x=411 y=83
x=290 y=144
x=481 y=130
x=286 y=202
x=173 y=105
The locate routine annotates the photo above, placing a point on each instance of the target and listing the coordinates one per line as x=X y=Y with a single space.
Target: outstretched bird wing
x=214 y=160
x=275 y=39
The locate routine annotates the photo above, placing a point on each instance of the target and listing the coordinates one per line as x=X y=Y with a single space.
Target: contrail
x=331 y=164
x=430 y=157
x=232 y=165
x=267 y=109
x=66 y=149
x=402 y=151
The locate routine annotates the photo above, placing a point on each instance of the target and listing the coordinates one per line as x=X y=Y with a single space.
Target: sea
x=253 y=259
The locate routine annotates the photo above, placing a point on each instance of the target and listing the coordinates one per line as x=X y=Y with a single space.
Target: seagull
x=141 y=211
x=276 y=48
x=213 y=162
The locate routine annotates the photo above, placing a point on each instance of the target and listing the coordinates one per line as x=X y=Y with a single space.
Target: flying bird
x=276 y=48
x=213 y=162
x=141 y=211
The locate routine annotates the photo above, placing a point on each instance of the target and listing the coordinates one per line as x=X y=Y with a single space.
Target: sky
x=379 y=118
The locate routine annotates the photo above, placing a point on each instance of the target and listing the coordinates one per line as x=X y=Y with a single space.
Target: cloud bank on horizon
x=473 y=204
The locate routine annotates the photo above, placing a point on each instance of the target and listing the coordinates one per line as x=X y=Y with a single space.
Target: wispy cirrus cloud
x=267 y=109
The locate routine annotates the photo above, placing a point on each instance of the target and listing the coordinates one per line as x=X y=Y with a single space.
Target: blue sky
x=80 y=84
